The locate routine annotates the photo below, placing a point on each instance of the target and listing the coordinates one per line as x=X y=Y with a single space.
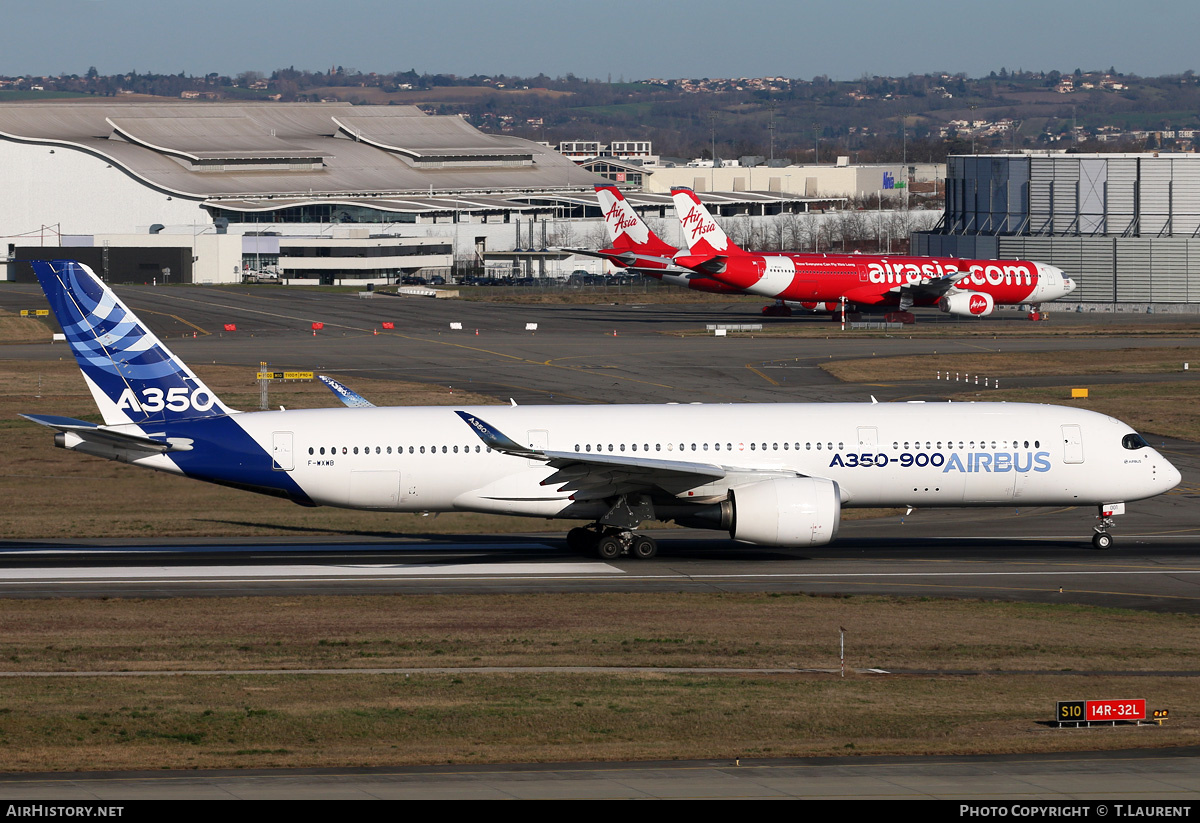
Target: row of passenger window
x=827 y=446
x=969 y=445
x=399 y=450
x=620 y=447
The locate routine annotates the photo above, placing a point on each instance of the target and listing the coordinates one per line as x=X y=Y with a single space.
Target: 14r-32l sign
x=1099 y=711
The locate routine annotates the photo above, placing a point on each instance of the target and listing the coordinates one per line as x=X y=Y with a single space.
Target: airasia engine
x=967 y=304
x=786 y=511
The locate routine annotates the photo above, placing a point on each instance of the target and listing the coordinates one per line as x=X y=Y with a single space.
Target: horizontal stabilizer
x=712 y=264
x=108 y=436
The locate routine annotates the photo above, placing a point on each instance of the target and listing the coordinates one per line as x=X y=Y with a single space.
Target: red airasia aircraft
x=965 y=287
x=713 y=263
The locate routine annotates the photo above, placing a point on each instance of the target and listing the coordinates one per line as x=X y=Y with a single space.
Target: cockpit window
x=1134 y=441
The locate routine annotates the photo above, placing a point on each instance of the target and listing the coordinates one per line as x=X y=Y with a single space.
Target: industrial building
x=1125 y=226
x=840 y=180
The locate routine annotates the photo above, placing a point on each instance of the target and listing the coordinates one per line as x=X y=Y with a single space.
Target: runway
x=1079 y=780
x=1036 y=555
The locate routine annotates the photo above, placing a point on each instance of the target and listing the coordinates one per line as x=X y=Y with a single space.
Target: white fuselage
x=890 y=454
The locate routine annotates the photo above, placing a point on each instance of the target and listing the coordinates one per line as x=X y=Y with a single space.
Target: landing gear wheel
x=1102 y=540
x=644 y=547
x=609 y=547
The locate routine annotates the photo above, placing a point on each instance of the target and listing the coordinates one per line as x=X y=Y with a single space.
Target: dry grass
x=755 y=630
x=1164 y=360
x=17 y=329
x=465 y=716
x=382 y=720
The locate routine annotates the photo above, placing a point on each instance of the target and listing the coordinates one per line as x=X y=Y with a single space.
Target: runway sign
x=1100 y=711
x=284 y=375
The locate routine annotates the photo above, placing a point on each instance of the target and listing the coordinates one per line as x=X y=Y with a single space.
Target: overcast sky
x=633 y=39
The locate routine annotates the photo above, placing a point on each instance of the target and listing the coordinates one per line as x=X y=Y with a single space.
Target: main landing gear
x=1104 y=521
x=613 y=534
x=609 y=543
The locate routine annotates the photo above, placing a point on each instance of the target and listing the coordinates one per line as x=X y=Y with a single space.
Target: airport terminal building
x=1125 y=226
x=313 y=193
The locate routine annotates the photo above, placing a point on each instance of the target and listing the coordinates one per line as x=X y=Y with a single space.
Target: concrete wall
x=804 y=181
x=81 y=194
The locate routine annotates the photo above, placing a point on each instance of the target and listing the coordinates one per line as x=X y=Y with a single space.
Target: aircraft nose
x=1068 y=284
x=1169 y=477
x=1055 y=281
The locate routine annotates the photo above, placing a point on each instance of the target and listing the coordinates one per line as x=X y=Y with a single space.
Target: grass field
x=316 y=718
x=1156 y=360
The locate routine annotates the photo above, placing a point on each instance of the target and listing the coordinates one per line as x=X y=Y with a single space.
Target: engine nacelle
x=967 y=304
x=786 y=511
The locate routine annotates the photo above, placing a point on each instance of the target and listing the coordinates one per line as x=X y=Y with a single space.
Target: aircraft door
x=1072 y=444
x=868 y=436
x=281 y=452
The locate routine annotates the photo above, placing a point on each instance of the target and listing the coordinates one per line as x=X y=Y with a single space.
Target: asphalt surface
x=1077 y=780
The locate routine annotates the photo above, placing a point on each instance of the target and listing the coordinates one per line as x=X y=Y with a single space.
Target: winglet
x=494 y=438
x=348 y=396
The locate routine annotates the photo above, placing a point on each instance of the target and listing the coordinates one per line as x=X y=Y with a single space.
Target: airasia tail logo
x=978 y=304
x=696 y=223
x=620 y=219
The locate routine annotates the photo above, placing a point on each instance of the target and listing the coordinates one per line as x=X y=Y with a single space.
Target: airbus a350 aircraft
x=774 y=474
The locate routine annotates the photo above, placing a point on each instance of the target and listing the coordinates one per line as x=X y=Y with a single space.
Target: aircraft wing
x=930 y=287
x=108 y=436
x=593 y=475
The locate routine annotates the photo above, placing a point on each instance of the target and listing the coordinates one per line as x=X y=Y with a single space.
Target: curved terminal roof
x=295 y=150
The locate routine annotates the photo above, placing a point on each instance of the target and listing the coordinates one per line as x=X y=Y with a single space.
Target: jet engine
x=786 y=511
x=967 y=304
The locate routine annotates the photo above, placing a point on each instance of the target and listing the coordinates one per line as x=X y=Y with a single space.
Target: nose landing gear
x=1101 y=539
